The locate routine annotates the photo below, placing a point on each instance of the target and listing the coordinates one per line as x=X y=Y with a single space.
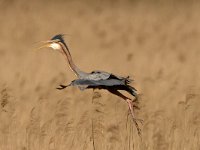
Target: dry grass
x=155 y=42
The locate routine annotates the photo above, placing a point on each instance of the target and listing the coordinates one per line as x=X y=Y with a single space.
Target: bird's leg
x=131 y=108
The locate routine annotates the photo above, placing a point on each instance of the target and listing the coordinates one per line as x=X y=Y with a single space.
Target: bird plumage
x=104 y=80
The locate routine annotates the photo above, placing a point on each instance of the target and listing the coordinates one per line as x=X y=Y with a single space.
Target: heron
x=96 y=79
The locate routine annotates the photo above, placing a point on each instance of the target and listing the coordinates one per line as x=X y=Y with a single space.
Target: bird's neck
x=73 y=67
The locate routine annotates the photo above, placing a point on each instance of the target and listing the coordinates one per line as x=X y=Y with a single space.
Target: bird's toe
x=61 y=87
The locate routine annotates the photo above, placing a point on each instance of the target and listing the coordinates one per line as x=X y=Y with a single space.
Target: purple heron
x=95 y=79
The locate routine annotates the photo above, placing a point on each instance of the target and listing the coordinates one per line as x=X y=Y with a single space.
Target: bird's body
x=103 y=80
x=95 y=79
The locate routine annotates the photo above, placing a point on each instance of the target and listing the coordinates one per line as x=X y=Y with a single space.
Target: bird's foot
x=62 y=87
x=137 y=119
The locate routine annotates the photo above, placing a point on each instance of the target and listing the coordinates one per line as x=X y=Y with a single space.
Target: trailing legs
x=131 y=107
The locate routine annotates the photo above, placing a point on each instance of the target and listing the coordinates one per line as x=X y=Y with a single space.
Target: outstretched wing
x=104 y=84
x=103 y=80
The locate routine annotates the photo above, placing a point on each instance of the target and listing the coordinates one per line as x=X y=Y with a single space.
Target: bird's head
x=54 y=43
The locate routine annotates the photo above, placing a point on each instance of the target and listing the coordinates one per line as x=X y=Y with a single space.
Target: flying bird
x=95 y=79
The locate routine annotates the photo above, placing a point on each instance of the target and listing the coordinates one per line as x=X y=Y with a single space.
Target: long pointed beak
x=45 y=44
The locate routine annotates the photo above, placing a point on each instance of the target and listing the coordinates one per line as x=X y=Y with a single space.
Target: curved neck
x=73 y=67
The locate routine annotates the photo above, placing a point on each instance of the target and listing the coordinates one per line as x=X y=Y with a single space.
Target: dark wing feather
x=104 y=84
x=128 y=88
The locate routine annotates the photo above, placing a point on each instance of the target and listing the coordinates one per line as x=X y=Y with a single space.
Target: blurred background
x=155 y=42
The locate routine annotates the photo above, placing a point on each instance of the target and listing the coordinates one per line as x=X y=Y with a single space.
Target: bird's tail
x=128 y=80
